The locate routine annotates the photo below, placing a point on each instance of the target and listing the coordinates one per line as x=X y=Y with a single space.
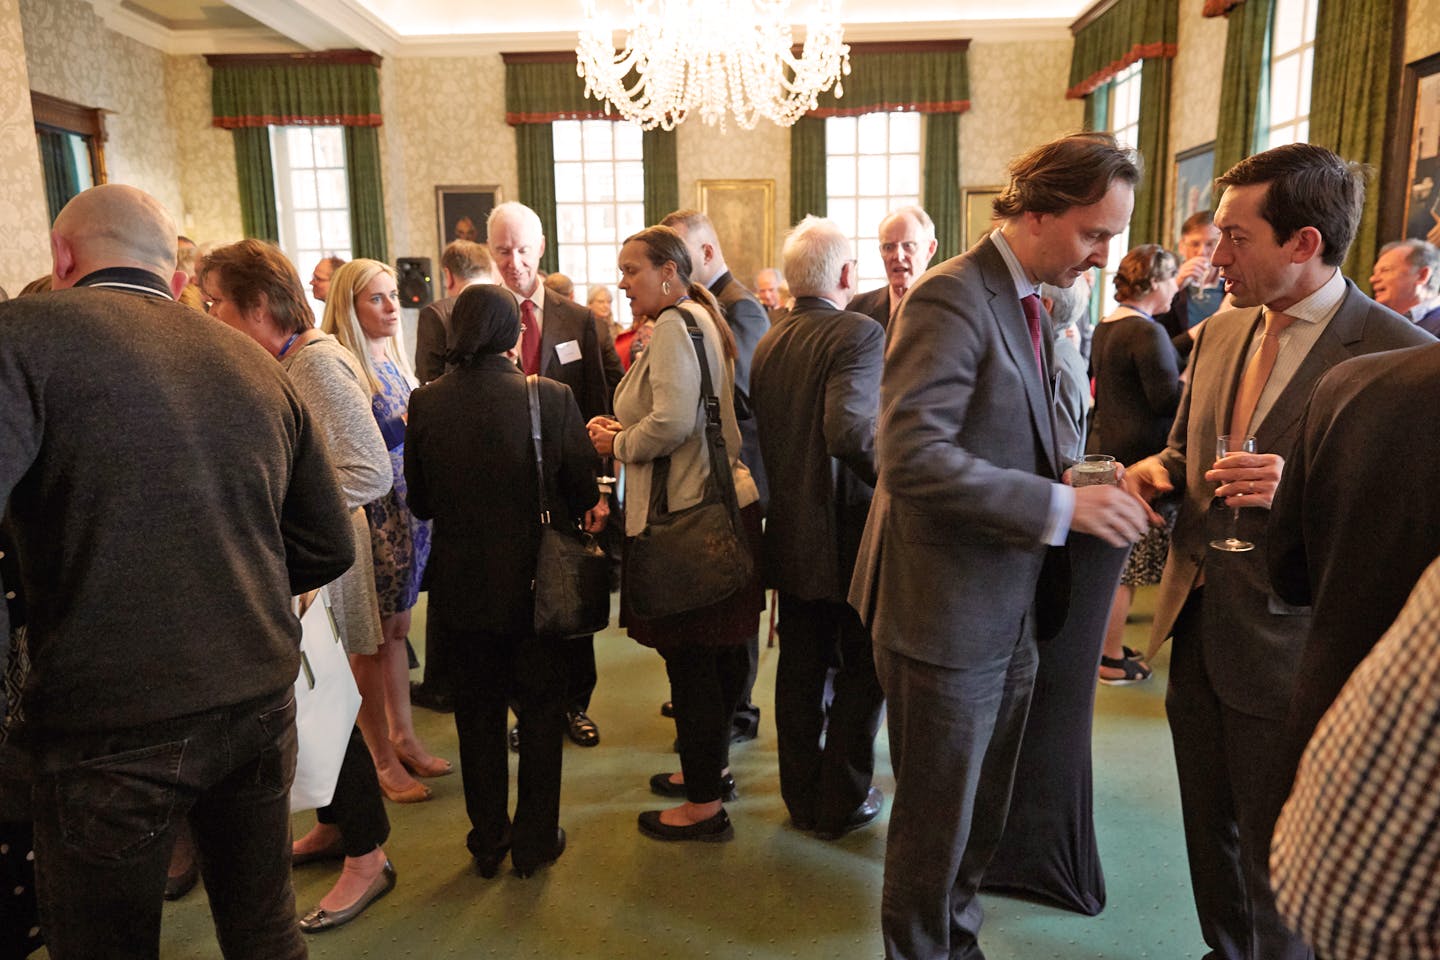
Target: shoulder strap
x=532 y=393
x=714 y=431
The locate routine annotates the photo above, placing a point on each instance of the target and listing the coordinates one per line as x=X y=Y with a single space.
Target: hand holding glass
x=1092 y=470
x=1231 y=543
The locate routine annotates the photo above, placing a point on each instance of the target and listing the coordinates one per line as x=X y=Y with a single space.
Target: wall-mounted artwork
x=461 y=212
x=1419 y=132
x=979 y=216
x=743 y=212
x=1194 y=176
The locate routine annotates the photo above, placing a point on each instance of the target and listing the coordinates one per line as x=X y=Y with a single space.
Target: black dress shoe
x=487 y=858
x=662 y=784
x=177 y=887
x=743 y=728
x=524 y=872
x=868 y=810
x=320 y=920
x=715 y=829
x=582 y=729
x=432 y=697
x=515 y=738
x=667 y=709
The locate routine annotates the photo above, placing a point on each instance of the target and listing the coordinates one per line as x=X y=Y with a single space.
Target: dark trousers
x=822 y=784
x=107 y=806
x=580 y=674
x=357 y=807
x=705 y=684
x=954 y=736
x=1225 y=760
x=492 y=671
x=747 y=715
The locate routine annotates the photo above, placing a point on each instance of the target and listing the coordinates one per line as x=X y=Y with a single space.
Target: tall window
x=872 y=167
x=1292 y=66
x=599 y=201
x=312 y=199
x=1125 y=124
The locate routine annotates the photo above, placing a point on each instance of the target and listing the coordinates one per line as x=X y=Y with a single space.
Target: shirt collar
x=537 y=297
x=1023 y=286
x=129 y=279
x=1323 y=303
x=1418 y=312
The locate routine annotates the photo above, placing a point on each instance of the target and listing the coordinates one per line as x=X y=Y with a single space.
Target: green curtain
x=256 y=173
x=1130 y=30
x=57 y=161
x=367 y=194
x=540 y=88
x=1148 y=221
x=286 y=94
x=662 y=174
x=807 y=169
x=1351 y=96
x=1097 y=107
x=535 y=150
x=892 y=78
x=942 y=181
x=1245 y=84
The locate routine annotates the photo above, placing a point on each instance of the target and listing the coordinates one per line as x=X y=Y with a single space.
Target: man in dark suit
x=969 y=503
x=771 y=291
x=748 y=321
x=1287 y=218
x=1406 y=279
x=462 y=263
x=907 y=245
x=559 y=339
x=816 y=392
x=1327 y=519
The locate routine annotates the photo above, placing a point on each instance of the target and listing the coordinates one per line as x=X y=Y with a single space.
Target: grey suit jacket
x=952 y=552
x=748 y=321
x=815 y=390
x=432 y=339
x=1252 y=639
x=875 y=304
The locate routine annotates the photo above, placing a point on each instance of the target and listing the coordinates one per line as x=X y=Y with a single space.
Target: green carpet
x=773 y=893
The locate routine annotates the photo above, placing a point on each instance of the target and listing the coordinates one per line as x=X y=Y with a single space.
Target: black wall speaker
x=416 y=287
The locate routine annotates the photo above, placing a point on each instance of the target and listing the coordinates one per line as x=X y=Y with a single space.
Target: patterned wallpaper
x=1017 y=94
x=703 y=153
x=209 y=192
x=72 y=55
x=24 y=243
x=1423 y=31
x=1195 y=78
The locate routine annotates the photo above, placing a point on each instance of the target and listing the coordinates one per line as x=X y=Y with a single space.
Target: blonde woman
x=363 y=313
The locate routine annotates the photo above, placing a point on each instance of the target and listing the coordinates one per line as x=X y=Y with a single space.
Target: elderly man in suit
x=463 y=263
x=907 y=245
x=816 y=392
x=1406 y=279
x=1286 y=219
x=559 y=339
x=969 y=503
x=748 y=321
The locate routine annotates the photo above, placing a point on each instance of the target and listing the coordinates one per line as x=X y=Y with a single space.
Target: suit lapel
x=552 y=327
x=1332 y=346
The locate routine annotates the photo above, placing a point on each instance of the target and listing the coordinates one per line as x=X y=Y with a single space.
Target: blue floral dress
x=399 y=542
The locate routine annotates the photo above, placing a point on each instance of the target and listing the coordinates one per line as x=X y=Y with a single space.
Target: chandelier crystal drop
x=714 y=57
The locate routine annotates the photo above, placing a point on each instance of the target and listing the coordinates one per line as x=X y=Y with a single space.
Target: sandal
x=1130 y=653
x=1132 y=671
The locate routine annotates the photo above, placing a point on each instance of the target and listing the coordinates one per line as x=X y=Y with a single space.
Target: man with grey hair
x=816 y=393
x=771 y=292
x=1406 y=279
x=164 y=516
x=462 y=264
x=1069 y=309
x=907 y=245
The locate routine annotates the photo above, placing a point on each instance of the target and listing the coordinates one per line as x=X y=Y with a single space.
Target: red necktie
x=1030 y=303
x=529 y=338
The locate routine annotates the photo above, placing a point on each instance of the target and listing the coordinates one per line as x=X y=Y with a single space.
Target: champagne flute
x=1231 y=543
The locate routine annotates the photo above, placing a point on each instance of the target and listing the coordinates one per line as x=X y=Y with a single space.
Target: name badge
x=568 y=352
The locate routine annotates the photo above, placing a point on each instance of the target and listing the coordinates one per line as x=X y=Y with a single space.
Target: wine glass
x=1231 y=543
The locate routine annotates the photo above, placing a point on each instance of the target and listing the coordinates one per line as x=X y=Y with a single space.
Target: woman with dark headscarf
x=470 y=466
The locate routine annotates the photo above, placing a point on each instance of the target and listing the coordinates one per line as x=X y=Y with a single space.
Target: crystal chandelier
x=715 y=57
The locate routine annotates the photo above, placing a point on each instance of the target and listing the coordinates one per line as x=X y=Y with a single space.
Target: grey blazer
x=952 y=552
x=1252 y=639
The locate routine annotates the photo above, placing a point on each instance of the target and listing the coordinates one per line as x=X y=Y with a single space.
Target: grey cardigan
x=658 y=401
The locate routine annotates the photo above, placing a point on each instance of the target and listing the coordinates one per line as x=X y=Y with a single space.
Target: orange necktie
x=1252 y=383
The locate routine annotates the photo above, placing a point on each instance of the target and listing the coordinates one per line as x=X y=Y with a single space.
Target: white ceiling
x=452 y=27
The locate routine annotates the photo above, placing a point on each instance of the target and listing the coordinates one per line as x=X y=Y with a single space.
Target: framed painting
x=1194 y=176
x=743 y=212
x=1413 y=202
x=979 y=216
x=461 y=212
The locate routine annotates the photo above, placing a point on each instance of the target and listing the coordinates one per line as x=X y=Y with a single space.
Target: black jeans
x=357 y=807
x=705 y=685
x=107 y=806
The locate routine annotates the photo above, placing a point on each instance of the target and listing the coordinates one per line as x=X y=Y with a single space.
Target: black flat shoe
x=488 y=859
x=582 y=729
x=177 y=887
x=868 y=810
x=525 y=872
x=662 y=785
x=716 y=829
x=319 y=920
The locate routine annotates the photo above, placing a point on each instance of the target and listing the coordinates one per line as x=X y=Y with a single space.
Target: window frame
x=864 y=233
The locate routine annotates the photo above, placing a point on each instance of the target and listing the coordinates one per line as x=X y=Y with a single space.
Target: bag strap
x=714 y=429
x=532 y=397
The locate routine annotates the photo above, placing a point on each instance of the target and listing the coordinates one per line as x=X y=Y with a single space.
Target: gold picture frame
x=979 y=215
x=743 y=213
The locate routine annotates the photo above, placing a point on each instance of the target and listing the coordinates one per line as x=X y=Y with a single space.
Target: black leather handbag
x=689 y=559
x=572 y=577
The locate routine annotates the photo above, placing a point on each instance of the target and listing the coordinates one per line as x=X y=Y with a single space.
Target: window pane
x=840 y=135
x=302 y=189
x=572 y=259
x=872 y=267
x=600 y=222
x=905 y=175
x=1312 y=8
x=335 y=228
x=570 y=222
x=332 y=189
x=1302 y=131
x=630 y=181
x=1289 y=25
x=297 y=144
x=873 y=133
x=569 y=183
x=329 y=147
x=631 y=220
x=871 y=211
x=566 y=137
x=629 y=141
x=598 y=139
x=840 y=175
x=307 y=229
x=873 y=175
x=905 y=132
x=1307 y=75
x=1284 y=89
x=601 y=262
x=599 y=182
x=842 y=211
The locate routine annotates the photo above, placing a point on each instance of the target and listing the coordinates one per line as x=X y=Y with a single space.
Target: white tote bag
x=326 y=702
